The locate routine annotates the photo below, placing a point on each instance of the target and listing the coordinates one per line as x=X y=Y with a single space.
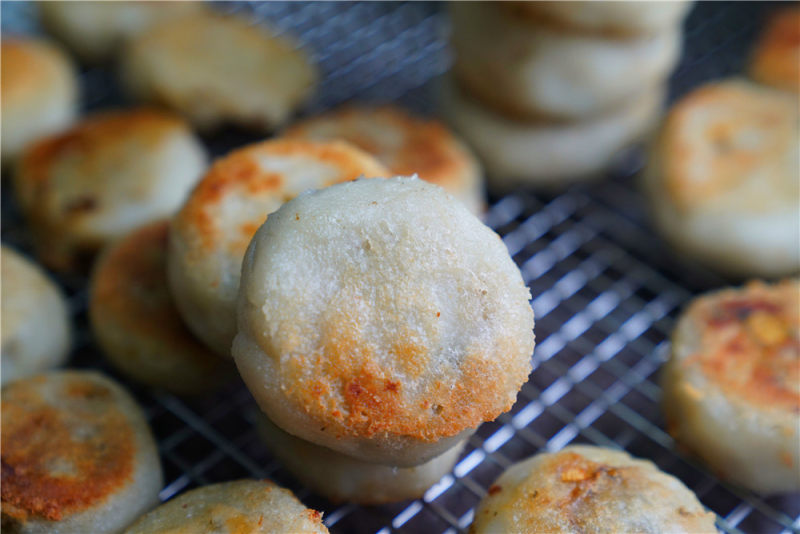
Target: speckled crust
x=776 y=57
x=238 y=507
x=341 y=478
x=38 y=96
x=541 y=154
x=612 y=19
x=210 y=233
x=136 y=323
x=96 y=30
x=105 y=176
x=732 y=385
x=591 y=490
x=246 y=75
x=77 y=456
x=536 y=72
x=405 y=144
x=723 y=178
x=34 y=321
x=381 y=319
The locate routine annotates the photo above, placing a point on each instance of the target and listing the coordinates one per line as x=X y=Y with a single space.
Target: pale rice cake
x=342 y=478
x=34 y=319
x=217 y=70
x=96 y=31
x=38 y=96
x=535 y=73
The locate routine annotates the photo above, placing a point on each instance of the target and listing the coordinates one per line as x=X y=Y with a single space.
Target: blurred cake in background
x=406 y=144
x=218 y=70
x=95 y=31
x=38 y=94
x=532 y=71
x=723 y=178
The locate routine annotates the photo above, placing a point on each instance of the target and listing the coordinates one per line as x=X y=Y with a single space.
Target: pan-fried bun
x=540 y=73
x=77 y=455
x=381 y=319
x=96 y=30
x=136 y=323
x=776 y=58
x=38 y=96
x=544 y=154
x=217 y=69
x=110 y=173
x=240 y=506
x=723 y=178
x=589 y=489
x=35 y=326
x=732 y=385
x=405 y=144
x=341 y=478
x=210 y=233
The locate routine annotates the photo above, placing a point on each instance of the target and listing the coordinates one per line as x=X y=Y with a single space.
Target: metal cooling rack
x=605 y=289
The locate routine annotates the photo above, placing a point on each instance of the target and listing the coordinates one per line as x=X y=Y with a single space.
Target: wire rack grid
x=605 y=289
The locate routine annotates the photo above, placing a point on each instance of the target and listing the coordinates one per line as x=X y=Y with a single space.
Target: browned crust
x=750 y=343
x=776 y=58
x=238 y=173
x=346 y=388
x=38 y=437
x=427 y=149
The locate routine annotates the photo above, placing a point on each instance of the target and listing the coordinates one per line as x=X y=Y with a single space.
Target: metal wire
x=605 y=289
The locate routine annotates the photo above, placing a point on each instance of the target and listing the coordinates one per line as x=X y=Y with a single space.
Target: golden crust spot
x=750 y=342
x=776 y=59
x=346 y=387
x=58 y=460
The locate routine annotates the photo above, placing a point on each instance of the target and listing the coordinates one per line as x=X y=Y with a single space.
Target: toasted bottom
x=519 y=154
x=342 y=478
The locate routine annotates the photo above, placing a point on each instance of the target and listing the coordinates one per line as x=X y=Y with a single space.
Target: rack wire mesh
x=605 y=288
